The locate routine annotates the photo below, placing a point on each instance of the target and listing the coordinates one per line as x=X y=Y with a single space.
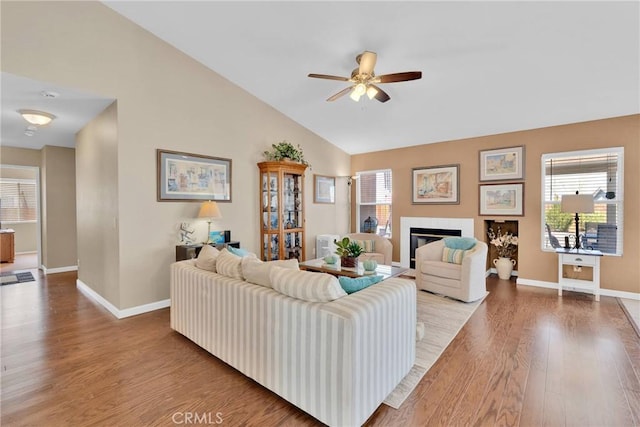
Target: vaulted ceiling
x=488 y=67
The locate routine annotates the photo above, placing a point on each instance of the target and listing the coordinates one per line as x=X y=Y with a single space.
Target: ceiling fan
x=365 y=81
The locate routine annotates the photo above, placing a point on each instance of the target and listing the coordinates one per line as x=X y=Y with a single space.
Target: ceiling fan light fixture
x=360 y=89
x=355 y=95
x=35 y=117
x=372 y=92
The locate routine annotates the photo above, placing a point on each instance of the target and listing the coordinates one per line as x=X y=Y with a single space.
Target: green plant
x=347 y=248
x=285 y=150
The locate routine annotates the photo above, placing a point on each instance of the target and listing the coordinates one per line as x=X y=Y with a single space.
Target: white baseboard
x=494 y=271
x=127 y=312
x=46 y=270
x=603 y=291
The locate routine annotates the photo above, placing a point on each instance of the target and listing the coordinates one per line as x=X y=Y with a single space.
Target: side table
x=191 y=251
x=574 y=266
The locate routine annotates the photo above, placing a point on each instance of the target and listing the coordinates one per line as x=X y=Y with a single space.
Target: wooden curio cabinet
x=282 y=210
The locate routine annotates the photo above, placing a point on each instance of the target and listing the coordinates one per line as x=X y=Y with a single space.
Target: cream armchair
x=382 y=251
x=465 y=282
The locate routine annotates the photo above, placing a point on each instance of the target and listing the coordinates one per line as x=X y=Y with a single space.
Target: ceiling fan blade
x=399 y=77
x=381 y=96
x=328 y=77
x=339 y=94
x=367 y=61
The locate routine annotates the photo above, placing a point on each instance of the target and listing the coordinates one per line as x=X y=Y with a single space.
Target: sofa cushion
x=355 y=284
x=367 y=245
x=207 y=258
x=464 y=243
x=229 y=265
x=306 y=285
x=257 y=271
x=453 y=256
x=441 y=269
x=238 y=251
x=379 y=258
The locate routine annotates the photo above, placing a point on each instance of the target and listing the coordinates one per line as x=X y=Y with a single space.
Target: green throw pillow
x=464 y=243
x=453 y=256
x=351 y=284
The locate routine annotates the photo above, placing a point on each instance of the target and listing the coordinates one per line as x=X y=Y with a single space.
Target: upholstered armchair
x=465 y=281
x=382 y=248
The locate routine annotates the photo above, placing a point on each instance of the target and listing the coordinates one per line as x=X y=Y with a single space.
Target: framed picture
x=436 y=185
x=502 y=199
x=324 y=189
x=184 y=177
x=502 y=164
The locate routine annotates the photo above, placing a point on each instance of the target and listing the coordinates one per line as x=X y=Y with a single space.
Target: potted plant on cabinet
x=348 y=252
x=284 y=150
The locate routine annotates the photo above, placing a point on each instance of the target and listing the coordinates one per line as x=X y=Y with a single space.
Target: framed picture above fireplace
x=436 y=185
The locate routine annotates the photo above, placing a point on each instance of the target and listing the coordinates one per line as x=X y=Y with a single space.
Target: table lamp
x=577 y=203
x=210 y=211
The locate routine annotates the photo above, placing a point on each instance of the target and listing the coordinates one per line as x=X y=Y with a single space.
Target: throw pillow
x=464 y=243
x=207 y=258
x=229 y=265
x=355 y=284
x=306 y=285
x=257 y=271
x=238 y=251
x=367 y=245
x=453 y=256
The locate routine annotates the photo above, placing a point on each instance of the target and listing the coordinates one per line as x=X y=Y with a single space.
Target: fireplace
x=443 y=227
x=421 y=236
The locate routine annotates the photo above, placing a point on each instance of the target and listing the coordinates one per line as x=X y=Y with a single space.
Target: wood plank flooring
x=526 y=357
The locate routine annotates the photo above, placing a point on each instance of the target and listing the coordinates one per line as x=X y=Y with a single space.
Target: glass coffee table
x=318 y=265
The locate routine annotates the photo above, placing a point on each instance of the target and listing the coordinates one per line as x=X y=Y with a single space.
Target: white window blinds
x=373 y=201
x=597 y=173
x=17 y=200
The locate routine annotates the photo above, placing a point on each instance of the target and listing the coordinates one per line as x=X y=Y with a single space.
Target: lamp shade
x=577 y=203
x=209 y=210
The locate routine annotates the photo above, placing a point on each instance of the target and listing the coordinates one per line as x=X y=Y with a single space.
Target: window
x=17 y=200
x=597 y=173
x=373 y=201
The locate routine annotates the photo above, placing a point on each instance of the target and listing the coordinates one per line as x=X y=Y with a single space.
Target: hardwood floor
x=526 y=357
x=20 y=263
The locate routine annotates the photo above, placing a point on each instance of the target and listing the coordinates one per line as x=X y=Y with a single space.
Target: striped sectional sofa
x=335 y=360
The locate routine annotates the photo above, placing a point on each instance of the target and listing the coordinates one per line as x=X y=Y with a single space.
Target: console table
x=7 y=249
x=191 y=251
x=574 y=266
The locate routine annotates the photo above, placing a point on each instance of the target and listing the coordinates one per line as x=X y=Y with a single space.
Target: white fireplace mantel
x=465 y=225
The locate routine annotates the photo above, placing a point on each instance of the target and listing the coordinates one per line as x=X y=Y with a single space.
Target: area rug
x=632 y=309
x=443 y=318
x=12 y=278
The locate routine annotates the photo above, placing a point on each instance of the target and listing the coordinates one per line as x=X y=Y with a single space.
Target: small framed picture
x=324 y=189
x=436 y=185
x=502 y=199
x=502 y=164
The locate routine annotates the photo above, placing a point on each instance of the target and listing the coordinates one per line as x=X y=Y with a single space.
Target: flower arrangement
x=285 y=150
x=505 y=243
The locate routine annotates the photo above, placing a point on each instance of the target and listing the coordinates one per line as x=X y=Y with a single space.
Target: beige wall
x=619 y=273
x=97 y=205
x=58 y=185
x=26 y=236
x=164 y=100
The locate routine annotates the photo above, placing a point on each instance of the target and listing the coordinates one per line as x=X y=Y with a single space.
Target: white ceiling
x=488 y=67
x=73 y=110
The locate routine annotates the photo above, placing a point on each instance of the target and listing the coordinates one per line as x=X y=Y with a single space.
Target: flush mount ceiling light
x=35 y=117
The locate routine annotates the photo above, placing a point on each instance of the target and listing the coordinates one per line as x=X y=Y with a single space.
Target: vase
x=349 y=262
x=504 y=266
